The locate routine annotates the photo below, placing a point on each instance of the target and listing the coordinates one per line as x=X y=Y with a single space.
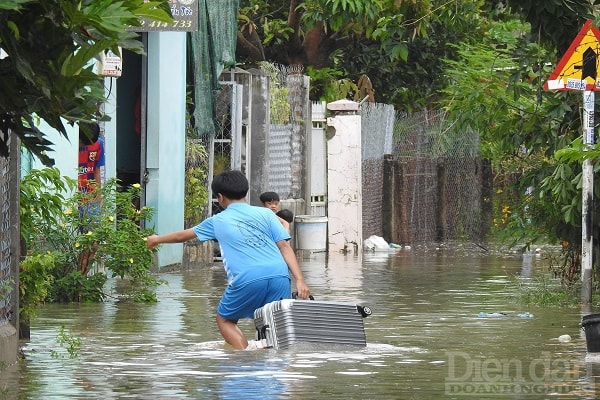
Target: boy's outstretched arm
x=290 y=258
x=174 y=237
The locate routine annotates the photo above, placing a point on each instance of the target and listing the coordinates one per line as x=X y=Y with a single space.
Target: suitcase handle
x=364 y=311
x=295 y=296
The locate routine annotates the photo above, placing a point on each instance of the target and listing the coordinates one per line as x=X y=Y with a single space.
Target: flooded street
x=443 y=326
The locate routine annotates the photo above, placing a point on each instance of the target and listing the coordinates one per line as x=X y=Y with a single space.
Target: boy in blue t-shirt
x=257 y=256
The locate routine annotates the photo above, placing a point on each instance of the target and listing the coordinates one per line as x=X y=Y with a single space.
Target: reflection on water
x=443 y=326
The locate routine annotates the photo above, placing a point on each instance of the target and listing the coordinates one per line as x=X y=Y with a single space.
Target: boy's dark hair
x=231 y=184
x=89 y=132
x=269 y=196
x=286 y=215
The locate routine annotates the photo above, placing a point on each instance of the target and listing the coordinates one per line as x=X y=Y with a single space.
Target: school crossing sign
x=578 y=67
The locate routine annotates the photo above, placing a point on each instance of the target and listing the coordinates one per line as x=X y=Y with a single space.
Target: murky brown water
x=426 y=339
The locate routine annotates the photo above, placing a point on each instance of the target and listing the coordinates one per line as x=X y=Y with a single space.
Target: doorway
x=130 y=115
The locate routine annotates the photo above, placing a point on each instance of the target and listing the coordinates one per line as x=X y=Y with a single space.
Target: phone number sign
x=185 y=19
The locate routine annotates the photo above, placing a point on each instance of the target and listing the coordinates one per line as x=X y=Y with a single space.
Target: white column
x=165 y=153
x=344 y=177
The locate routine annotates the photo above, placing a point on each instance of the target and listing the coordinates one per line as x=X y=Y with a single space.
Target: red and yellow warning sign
x=578 y=67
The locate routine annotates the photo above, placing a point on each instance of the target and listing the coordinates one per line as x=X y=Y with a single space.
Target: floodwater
x=444 y=326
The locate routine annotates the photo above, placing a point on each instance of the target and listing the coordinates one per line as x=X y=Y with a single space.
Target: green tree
x=553 y=22
x=312 y=33
x=45 y=61
x=496 y=88
x=400 y=46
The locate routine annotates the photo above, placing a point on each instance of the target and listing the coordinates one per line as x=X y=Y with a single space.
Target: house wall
x=64 y=151
x=166 y=54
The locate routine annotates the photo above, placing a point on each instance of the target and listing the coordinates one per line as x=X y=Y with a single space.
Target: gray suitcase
x=290 y=322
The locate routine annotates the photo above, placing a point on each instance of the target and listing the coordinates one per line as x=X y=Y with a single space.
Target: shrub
x=71 y=254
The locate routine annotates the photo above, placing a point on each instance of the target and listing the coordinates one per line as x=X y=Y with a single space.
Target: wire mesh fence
x=436 y=193
x=289 y=112
x=377 y=124
x=441 y=186
x=7 y=281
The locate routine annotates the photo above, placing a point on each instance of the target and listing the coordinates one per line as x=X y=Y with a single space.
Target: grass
x=546 y=291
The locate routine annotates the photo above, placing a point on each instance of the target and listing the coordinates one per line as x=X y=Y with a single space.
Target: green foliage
x=6 y=288
x=546 y=291
x=48 y=73
x=496 y=89
x=196 y=173
x=68 y=341
x=74 y=286
x=328 y=85
x=70 y=253
x=36 y=281
x=279 y=108
x=42 y=187
x=321 y=35
x=555 y=21
x=337 y=13
x=494 y=93
x=398 y=45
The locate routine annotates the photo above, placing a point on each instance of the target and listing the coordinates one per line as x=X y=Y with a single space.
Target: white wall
x=65 y=151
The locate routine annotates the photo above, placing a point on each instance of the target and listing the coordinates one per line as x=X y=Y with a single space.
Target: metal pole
x=587 y=197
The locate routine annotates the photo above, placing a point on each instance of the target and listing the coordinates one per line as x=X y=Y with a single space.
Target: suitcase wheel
x=364 y=311
x=262 y=332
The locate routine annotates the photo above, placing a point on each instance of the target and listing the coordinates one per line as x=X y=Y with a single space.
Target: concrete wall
x=256 y=114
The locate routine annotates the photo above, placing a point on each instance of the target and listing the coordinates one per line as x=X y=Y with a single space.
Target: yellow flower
x=131 y=261
x=499 y=191
x=89 y=233
x=69 y=211
x=136 y=185
x=77 y=245
x=111 y=218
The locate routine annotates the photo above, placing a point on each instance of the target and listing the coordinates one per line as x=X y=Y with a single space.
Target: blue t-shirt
x=247 y=236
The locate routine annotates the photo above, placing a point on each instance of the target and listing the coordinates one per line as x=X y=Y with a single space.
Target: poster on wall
x=185 y=19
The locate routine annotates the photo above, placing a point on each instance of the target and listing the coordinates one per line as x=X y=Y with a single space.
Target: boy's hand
x=303 y=290
x=151 y=241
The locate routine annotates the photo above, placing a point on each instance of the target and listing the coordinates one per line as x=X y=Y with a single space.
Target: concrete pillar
x=316 y=179
x=165 y=155
x=9 y=346
x=344 y=177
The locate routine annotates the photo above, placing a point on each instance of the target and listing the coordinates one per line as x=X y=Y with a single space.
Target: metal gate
x=227 y=149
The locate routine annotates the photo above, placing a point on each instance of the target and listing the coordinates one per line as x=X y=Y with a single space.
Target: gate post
x=344 y=177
